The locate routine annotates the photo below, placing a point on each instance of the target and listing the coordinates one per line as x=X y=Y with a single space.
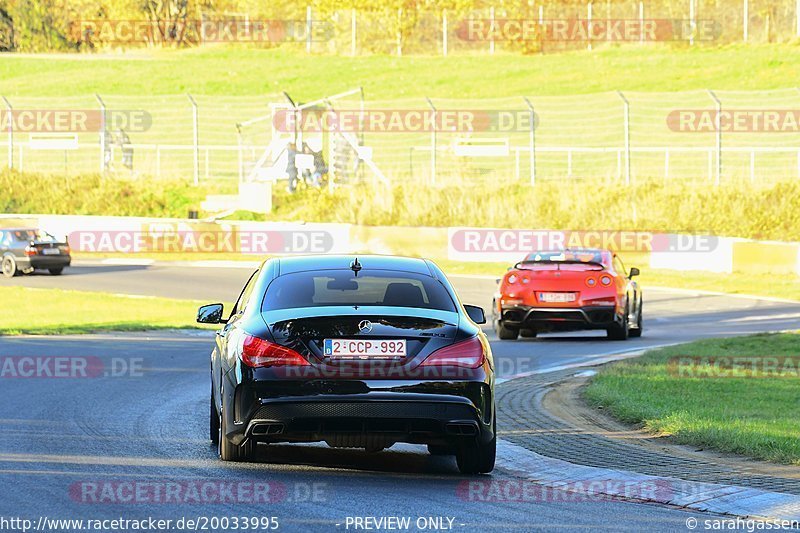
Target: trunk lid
x=423 y=331
x=551 y=278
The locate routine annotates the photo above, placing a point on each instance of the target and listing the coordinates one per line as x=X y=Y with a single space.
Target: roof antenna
x=355 y=266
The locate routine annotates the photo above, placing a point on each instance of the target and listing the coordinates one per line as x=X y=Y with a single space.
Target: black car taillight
x=259 y=353
x=465 y=354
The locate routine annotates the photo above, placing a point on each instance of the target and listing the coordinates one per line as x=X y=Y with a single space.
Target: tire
x=228 y=451
x=504 y=333
x=619 y=332
x=439 y=449
x=9 y=266
x=637 y=331
x=477 y=458
x=56 y=271
x=213 y=422
x=528 y=333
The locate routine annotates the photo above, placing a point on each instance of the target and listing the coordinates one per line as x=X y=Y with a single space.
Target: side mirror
x=210 y=314
x=475 y=314
x=634 y=272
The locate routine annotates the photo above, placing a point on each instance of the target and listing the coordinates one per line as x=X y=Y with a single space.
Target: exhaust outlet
x=267 y=429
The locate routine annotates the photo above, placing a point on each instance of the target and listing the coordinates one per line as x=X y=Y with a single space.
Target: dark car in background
x=23 y=250
x=354 y=352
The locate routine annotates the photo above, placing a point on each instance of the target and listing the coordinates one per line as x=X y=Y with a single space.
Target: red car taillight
x=605 y=280
x=30 y=250
x=466 y=354
x=258 y=353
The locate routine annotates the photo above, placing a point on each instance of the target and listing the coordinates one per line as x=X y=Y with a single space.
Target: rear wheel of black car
x=228 y=451
x=504 y=333
x=9 y=266
x=56 y=271
x=620 y=331
x=477 y=458
x=527 y=333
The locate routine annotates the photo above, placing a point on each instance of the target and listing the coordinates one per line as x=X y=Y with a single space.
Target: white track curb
x=707 y=497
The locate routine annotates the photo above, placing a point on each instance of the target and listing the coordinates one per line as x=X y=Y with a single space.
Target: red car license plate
x=557 y=297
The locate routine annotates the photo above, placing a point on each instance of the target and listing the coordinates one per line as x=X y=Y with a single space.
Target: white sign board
x=53 y=141
x=481 y=147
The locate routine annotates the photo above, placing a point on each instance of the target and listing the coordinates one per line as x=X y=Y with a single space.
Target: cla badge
x=365 y=326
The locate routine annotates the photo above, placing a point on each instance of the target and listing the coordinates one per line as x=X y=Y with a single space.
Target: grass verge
x=58 y=312
x=770 y=211
x=701 y=406
x=785 y=287
x=240 y=71
x=96 y=195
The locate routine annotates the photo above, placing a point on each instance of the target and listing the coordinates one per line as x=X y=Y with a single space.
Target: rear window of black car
x=342 y=287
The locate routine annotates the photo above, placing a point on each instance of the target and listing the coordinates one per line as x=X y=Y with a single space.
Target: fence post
x=589 y=23
x=797 y=18
x=718 y=126
x=433 y=142
x=195 y=141
x=399 y=31
x=308 y=29
x=353 y=32
x=641 y=22
x=10 y=122
x=240 y=151
x=491 y=30
x=627 y=128
x=444 y=32
x=532 y=141
x=745 y=19
x=103 y=147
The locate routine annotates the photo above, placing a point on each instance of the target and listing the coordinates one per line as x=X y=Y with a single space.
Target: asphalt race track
x=670 y=316
x=69 y=445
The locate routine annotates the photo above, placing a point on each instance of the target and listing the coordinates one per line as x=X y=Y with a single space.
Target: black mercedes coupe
x=357 y=352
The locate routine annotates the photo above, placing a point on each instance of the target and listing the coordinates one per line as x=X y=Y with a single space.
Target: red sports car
x=568 y=290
